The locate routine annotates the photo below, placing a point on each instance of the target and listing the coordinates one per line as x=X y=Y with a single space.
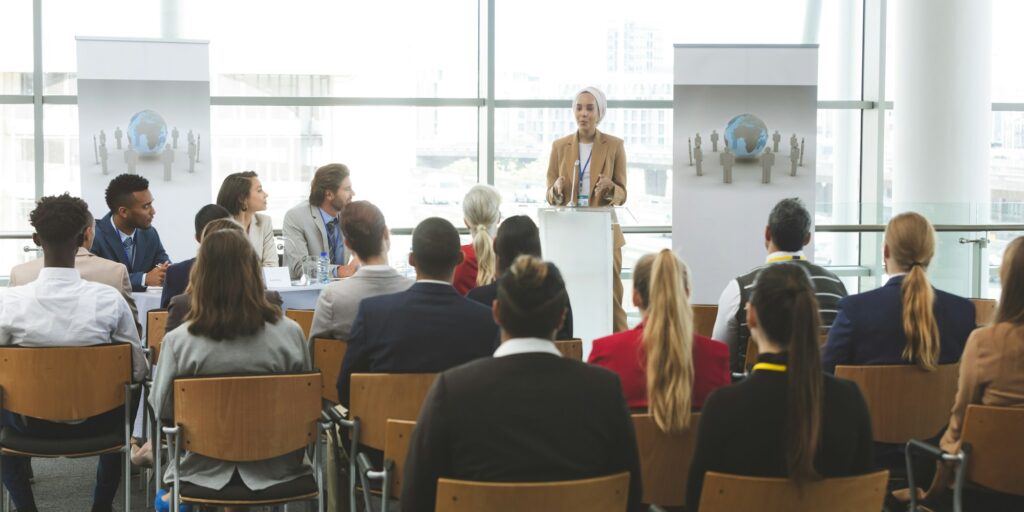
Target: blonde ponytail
x=911 y=242
x=667 y=339
x=481 y=210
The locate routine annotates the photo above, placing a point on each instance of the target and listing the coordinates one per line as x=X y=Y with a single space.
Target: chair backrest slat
x=905 y=401
x=570 y=349
x=996 y=435
x=396 y=448
x=65 y=383
x=376 y=398
x=664 y=460
x=602 y=494
x=327 y=357
x=247 y=418
x=303 y=317
x=704 y=318
x=729 y=493
x=156 y=328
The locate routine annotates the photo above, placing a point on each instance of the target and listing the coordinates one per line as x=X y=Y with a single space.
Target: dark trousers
x=16 y=469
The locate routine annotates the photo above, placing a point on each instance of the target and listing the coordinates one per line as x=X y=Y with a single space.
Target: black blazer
x=868 y=329
x=742 y=430
x=148 y=250
x=487 y=293
x=521 y=418
x=427 y=328
x=175 y=281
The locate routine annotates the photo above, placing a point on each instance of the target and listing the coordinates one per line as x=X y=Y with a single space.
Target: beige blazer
x=608 y=158
x=991 y=373
x=261 y=235
x=92 y=268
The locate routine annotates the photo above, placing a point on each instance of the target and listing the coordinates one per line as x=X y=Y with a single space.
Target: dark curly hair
x=119 y=191
x=58 y=219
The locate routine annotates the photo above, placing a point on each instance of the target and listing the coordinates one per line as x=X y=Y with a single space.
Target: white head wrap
x=602 y=103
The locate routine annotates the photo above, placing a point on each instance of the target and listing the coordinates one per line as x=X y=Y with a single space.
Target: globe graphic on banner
x=147 y=132
x=746 y=135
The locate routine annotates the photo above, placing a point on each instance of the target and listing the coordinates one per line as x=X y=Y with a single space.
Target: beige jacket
x=92 y=268
x=991 y=373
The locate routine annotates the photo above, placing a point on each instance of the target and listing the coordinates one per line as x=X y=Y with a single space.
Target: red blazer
x=465 y=273
x=623 y=353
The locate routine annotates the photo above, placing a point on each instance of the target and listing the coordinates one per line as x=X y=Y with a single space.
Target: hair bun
x=529 y=271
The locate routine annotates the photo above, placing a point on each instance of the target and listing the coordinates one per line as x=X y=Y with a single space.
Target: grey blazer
x=304 y=235
x=261 y=235
x=339 y=301
x=277 y=348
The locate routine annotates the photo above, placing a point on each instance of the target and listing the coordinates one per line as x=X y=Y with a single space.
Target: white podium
x=579 y=242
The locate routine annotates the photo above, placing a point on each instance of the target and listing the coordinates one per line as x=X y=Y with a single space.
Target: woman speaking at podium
x=588 y=169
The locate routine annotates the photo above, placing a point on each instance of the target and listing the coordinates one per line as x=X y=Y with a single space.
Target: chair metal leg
x=127 y=447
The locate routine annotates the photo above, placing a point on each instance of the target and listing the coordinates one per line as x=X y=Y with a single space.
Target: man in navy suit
x=176 y=279
x=126 y=234
x=427 y=328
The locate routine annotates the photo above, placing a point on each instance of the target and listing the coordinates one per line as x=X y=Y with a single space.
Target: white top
x=727 y=329
x=586 y=163
x=61 y=309
x=527 y=346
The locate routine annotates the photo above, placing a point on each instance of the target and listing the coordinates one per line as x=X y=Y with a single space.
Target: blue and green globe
x=746 y=135
x=147 y=132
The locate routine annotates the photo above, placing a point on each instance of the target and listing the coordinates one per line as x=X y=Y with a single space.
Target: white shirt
x=727 y=329
x=433 y=281
x=586 y=163
x=123 y=238
x=527 y=346
x=61 y=309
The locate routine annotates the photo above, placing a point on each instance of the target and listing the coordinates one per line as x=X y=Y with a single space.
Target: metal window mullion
x=37 y=94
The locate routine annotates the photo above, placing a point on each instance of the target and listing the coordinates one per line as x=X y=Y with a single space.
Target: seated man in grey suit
x=181 y=304
x=91 y=267
x=367 y=236
x=527 y=414
x=314 y=226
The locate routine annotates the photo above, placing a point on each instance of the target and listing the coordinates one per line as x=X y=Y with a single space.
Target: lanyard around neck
x=787 y=257
x=586 y=165
x=769 y=367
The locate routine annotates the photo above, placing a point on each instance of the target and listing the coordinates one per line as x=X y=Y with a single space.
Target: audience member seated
x=313 y=226
x=662 y=358
x=787 y=232
x=481 y=212
x=242 y=195
x=787 y=419
x=427 y=328
x=517 y=235
x=176 y=279
x=126 y=234
x=89 y=266
x=527 y=414
x=181 y=304
x=990 y=374
x=91 y=313
x=366 y=234
x=231 y=329
x=906 y=321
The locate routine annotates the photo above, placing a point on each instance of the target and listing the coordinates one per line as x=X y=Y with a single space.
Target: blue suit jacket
x=175 y=281
x=868 y=329
x=427 y=328
x=148 y=250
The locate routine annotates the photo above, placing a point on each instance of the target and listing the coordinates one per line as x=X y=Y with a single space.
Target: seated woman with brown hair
x=230 y=328
x=662 y=363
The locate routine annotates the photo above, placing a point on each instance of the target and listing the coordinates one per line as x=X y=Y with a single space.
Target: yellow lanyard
x=770 y=367
x=786 y=258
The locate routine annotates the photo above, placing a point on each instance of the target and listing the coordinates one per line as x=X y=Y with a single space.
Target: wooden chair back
x=327 y=357
x=602 y=494
x=64 y=383
x=996 y=435
x=248 y=418
x=398 y=435
x=905 y=402
x=303 y=317
x=984 y=311
x=729 y=493
x=376 y=398
x=751 y=356
x=571 y=349
x=156 y=327
x=704 y=318
x=664 y=460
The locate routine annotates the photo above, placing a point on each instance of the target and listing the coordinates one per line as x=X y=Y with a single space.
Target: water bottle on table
x=322 y=269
